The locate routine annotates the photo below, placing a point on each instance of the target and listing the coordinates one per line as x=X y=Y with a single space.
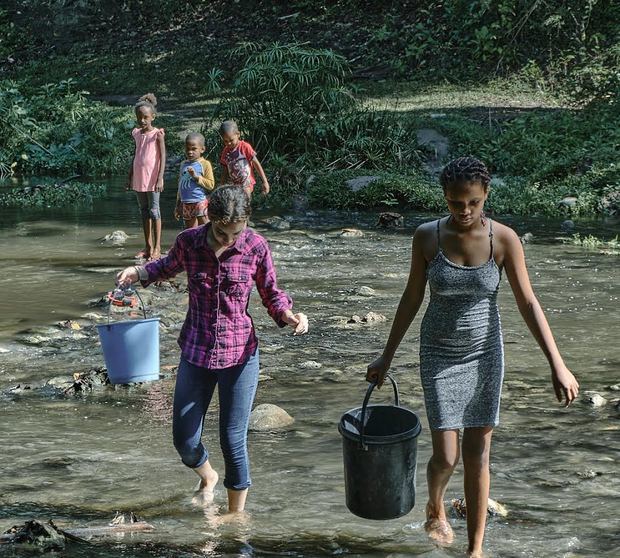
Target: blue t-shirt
x=189 y=189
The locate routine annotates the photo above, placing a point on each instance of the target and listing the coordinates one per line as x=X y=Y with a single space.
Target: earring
x=483 y=219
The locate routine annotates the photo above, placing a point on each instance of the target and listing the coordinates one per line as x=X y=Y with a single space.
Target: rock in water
x=116 y=238
x=310 y=365
x=390 y=220
x=593 y=399
x=494 y=509
x=36 y=535
x=268 y=417
x=351 y=233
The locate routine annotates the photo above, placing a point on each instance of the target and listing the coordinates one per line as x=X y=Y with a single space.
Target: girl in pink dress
x=146 y=175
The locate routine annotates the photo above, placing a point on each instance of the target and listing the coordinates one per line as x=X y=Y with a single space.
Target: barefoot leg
x=440 y=468
x=236 y=500
x=156 y=252
x=476 y=450
x=208 y=479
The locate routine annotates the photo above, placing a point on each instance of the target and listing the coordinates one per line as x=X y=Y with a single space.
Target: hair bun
x=149 y=98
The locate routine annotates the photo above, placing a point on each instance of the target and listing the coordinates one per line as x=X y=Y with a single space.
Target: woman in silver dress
x=461 y=351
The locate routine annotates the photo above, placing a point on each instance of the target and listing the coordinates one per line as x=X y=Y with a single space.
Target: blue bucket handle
x=369 y=391
x=141 y=302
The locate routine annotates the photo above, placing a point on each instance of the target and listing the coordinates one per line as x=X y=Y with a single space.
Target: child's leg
x=237 y=388
x=143 y=203
x=155 y=220
x=438 y=472
x=192 y=394
x=476 y=451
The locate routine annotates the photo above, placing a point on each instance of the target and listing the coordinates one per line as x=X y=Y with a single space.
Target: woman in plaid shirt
x=223 y=259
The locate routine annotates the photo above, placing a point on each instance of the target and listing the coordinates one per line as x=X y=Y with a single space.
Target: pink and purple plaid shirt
x=218 y=331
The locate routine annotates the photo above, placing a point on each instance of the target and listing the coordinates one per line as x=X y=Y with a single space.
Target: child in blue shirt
x=195 y=183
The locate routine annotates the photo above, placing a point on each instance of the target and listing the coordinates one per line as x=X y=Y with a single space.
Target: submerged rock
x=268 y=417
x=116 y=238
x=35 y=535
x=494 y=508
x=593 y=399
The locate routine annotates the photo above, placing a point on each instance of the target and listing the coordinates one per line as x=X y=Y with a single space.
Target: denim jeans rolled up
x=192 y=394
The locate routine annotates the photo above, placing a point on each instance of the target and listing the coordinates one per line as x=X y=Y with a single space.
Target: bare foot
x=155 y=255
x=238 y=518
x=475 y=554
x=439 y=531
x=204 y=494
x=144 y=253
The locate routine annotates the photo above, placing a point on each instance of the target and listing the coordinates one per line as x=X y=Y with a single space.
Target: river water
x=79 y=458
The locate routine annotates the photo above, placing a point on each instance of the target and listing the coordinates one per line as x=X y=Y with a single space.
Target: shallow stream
x=79 y=458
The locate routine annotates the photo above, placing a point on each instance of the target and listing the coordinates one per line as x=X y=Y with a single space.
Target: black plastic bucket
x=380 y=446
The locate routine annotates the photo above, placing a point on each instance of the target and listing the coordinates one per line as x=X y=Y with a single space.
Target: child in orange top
x=196 y=182
x=146 y=175
x=239 y=160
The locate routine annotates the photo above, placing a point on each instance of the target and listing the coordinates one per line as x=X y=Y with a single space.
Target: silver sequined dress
x=461 y=347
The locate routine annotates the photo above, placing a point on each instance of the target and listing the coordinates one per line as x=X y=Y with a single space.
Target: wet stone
x=614 y=387
x=116 y=238
x=593 y=399
x=268 y=417
x=351 y=233
x=494 y=508
x=527 y=238
x=365 y=291
x=310 y=365
x=390 y=220
x=36 y=535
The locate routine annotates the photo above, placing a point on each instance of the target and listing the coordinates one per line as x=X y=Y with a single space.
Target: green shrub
x=50 y=194
x=58 y=130
x=293 y=102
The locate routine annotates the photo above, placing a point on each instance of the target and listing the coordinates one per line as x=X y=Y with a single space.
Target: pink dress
x=146 y=161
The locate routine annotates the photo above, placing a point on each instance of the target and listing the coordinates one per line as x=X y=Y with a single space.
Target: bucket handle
x=141 y=302
x=371 y=387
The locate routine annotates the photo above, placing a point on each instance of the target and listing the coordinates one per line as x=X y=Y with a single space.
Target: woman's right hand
x=128 y=276
x=377 y=370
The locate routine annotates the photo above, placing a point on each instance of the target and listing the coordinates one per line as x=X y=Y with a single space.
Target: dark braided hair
x=149 y=100
x=229 y=204
x=465 y=169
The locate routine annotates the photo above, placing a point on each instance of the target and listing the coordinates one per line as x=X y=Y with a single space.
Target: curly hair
x=465 y=169
x=229 y=204
x=149 y=100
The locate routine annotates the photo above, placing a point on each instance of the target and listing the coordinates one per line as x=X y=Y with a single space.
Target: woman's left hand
x=565 y=384
x=298 y=321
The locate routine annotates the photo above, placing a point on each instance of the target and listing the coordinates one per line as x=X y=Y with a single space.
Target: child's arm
x=259 y=168
x=564 y=383
x=407 y=309
x=207 y=180
x=161 y=144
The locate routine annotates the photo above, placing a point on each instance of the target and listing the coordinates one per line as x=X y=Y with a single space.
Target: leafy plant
x=293 y=101
x=50 y=194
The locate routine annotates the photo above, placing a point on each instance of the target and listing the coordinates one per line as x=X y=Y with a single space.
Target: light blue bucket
x=131 y=349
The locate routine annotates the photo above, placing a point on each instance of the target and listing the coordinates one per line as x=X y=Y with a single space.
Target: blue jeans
x=192 y=395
